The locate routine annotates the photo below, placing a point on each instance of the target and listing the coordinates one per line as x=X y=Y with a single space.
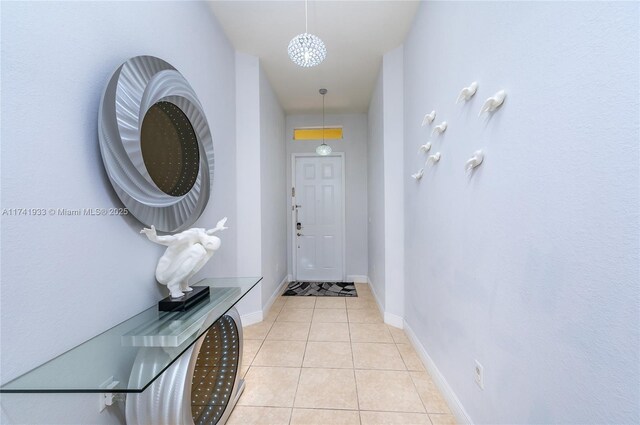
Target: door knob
x=299 y=234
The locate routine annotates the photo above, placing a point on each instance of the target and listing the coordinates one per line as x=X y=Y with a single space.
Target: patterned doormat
x=321 y=289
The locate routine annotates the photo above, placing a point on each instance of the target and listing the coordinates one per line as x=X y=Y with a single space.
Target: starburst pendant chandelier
x=323 y=149
x=306 y=49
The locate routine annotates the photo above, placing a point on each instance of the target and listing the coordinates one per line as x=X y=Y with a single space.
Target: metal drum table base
x=199 y=388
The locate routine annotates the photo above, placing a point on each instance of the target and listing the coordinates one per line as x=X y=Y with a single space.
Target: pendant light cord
x=323 y=119
x=306 y=17
x=323 y=149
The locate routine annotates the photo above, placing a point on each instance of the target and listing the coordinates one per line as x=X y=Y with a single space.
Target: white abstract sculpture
x=186 y=253
x=468 y=92
x=492 y=103
x=425 y=148
x=428 y=118
x=440 y=128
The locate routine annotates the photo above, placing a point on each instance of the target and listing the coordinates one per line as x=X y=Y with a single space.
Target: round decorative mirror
x=156 y=144
x=169 y=149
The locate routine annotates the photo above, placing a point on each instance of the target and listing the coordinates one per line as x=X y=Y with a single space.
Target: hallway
x=489 y=196
x=326 y=360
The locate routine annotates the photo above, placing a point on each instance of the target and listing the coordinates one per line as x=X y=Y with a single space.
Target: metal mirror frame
x=134 y=87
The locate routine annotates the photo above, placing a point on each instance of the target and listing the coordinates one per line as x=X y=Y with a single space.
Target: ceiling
x=356 y=34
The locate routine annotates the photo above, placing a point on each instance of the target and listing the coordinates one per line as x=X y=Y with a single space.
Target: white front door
x=318 y=219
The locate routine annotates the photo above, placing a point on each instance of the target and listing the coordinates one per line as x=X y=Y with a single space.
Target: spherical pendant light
x=306 y=49
x=323 y=149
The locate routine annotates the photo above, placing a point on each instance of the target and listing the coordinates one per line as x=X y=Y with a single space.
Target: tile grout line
x=300 y=369
x=341 y=409
x=354 y=365
x=258 y=350
x=353 y=362
x=306 y=342
x=404 y=362
x=419 y=396
x=413 y=382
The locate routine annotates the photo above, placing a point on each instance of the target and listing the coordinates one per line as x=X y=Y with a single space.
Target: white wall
x=248 y=163
x=386 y=188
x=375 y=191
x=261 y=186
x=66 y=279
x=248 y=175
x=274 y=209
x=530 y=265
x=354 y=145
x=394 y=178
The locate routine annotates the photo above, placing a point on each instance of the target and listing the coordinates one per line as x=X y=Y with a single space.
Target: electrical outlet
x=479 y=374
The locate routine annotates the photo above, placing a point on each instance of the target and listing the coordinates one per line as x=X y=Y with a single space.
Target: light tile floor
x=333 y=361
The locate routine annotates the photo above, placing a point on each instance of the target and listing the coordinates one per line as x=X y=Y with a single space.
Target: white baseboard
x=458 y=410
x=251 y=318
x=276 y=294
x=283 y=285
x=258 y=316
x=375 y=296
x=389 y=318
x=357 y=278
x=394 y=320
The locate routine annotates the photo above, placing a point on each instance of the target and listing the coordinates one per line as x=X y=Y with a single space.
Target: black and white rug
x=321 y=289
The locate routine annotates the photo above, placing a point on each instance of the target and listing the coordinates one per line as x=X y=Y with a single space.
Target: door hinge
x=293 y=192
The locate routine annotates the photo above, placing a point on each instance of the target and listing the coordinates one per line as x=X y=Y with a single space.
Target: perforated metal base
x=201 y=387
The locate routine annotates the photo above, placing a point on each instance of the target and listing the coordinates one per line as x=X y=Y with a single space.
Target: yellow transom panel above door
x=315 y=133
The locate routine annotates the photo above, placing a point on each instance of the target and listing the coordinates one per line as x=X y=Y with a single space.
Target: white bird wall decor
x=474 y=161
x=418 y=175
x=468 y=92
x=425 y=148
x=492 y=103
x=441 y=128
x=428 y=118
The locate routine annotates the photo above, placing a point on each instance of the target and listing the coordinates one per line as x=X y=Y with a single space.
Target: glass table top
x=109 y=357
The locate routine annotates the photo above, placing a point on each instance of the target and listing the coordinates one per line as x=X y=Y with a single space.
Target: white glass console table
x=176 y=367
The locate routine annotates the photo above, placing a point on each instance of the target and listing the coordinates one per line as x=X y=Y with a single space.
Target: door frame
x=294 y=249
